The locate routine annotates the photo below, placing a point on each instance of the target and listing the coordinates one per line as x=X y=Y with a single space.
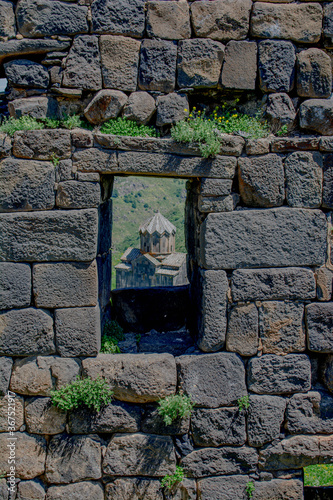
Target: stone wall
x=147 y=59
x=258 y=232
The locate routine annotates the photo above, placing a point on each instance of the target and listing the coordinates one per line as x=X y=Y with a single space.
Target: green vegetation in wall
x=318 y=475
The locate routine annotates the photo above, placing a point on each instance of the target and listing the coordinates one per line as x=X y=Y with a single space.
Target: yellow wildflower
x=186 y=110
x=194 y=108
x=234 y=116
x=227 y=121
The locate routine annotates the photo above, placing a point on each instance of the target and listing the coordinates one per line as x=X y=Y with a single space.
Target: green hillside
x=136 y=199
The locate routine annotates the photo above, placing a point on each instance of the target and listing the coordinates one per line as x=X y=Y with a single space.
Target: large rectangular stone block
x=218 y=426
x=289 y=283
x=26 y=185
x=212 y=380
x=136 y=378
x=212 y=320
x=120 y=62
x=95 y=160
x=30 y=455
x=24 y=332
x=310 y=413
x=294 y=452
x=220 y=461
x=139 y=454
x=263 y=238
x=38 y=375
x=5 y=373
x=49 y=236
x=223 y=167
x=74 y=194
x=42 y=144
x=65 y=284
x=290 y=489
x=15 y=285
x=300 y=22
x=78 y=331
x=265 y=417
x=272 y=374
x=319 y=326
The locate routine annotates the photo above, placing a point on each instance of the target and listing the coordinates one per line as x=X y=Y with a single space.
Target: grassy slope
x=135 y=199
x=318 y=475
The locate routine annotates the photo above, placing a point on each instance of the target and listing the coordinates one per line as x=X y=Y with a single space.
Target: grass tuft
x=91 y=393
x=122 y=126
x=11 y=125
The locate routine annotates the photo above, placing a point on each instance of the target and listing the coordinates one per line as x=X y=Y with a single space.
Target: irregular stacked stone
x=261 y=257
x=142 y=59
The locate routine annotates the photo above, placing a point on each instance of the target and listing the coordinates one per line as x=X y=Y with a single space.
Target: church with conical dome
x=155 y=263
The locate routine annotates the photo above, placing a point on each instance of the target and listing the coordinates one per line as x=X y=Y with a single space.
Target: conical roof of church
x=157 y=224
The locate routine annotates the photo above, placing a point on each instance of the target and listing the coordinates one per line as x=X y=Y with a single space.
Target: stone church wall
x=259 y=238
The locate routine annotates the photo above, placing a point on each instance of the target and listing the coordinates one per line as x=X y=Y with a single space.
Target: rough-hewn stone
x=317 y=115
x=272 y=374
x=78 y=331
x=261 y=180
x=124 y=17
x=324 y=280
x=276 y=489
x=63 y=284
x=5 y=373
x=173 y=165
x=171 y=109
x=280 y=110
x=220 y=461
x=140 y=107
x=328 y=181
x=15 y=285
x=263 y=238
x=60 y=235
x=42 y=144
x=314 y=73
x=294 y=452
x=221 y=19
x=243 y=328
x=155 y=375
x=199 y=63
x=95 y=160
x=24 y=73
x=7 y=19
x=296 y=143
x=300 y=22
x=86 y=490
x=174 y=342
x=82 y=138
x=153 y=423
x=304 y=179
x=38 y=375
x=226 y=487
x=187 y=488
x=220 y=426
x=8 y=405
x=29 y=455
x=115 y=417
x=258 y=146
x=5 y=145
x=139 y=454
x=26 y=185
x=82 y=66
x=310 y=413
x=212 y=380
x=73 y=194
x=30 y=46
x=136 y=488
x=43 y=418
x=240 y=65
x=158 y=59
x=120 y=62
x=4 y=489
x=37 y=107
x=273 y=284
x=169 y=20
x=24 y=332
x=215 y=187
x=281 y=327
x=265 y=418
x=319 y=326
x=328 y=25
x=38 y=18
x=276 y=65
x=64 y=451
x=218 y=203
x=28 y=490
x=105 y=105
